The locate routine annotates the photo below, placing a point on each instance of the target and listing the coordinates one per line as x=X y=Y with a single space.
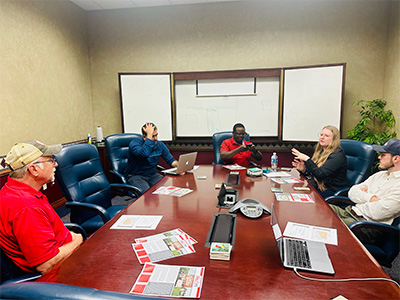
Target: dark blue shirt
x=144 y=156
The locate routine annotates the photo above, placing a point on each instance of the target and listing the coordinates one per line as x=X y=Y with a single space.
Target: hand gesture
x=299 y=165
x=149 y=129
x=251 y=147
x=300 y=156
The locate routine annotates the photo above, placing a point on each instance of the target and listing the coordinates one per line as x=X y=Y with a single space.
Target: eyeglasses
x=52 y=160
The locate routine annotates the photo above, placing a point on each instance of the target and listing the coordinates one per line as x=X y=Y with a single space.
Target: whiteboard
x=226 y=87
x=203 y=116
x=312 y=99
x=146 y=98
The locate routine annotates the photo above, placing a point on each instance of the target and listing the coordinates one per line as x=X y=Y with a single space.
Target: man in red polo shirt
x=31 y=232
x=238 y=151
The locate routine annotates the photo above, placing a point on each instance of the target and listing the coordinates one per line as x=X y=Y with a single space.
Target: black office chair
x=50 y=291
x=360 y=158
x=388 y=248
x=11 y=273
x=85 y=186
x=217 y=140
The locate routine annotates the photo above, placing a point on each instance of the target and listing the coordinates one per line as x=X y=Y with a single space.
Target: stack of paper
x=220 y=251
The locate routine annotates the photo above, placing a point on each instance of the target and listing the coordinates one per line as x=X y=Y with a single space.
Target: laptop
x=301 y=254
x=185 y=163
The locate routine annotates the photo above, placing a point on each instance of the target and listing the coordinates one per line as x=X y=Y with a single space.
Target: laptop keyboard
x=298 y=254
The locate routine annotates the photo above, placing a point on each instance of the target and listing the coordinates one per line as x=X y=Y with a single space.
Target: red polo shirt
x=242 y=158
x=30 y=230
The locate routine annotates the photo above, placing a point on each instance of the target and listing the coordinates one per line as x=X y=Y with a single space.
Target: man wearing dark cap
x=31 y=233
x=377 y=198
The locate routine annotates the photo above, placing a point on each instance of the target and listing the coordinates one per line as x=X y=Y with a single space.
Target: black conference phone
x=250 y=208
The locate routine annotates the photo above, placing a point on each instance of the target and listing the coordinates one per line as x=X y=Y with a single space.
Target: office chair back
x=50 y=291
x=387 y=247
x=10 y=272
x=360 y=157
x=117 y=149
x=217 y=140
x=390 y=248
x=81 y=178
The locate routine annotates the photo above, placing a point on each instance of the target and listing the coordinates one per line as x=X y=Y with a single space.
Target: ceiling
x=118 y=4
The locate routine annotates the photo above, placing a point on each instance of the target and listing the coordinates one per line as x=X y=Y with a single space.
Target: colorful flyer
x=160 y=236
x=169 y=281
x=304 y=198
x=162 y=249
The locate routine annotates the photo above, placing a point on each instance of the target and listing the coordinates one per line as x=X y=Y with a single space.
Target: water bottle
x=89 y=139
x=274 y=162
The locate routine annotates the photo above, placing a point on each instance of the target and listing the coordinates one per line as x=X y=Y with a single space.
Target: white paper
x=278 y=174
x=234 y=167
x=311 y=233
x=138 y=222
x=172 y=191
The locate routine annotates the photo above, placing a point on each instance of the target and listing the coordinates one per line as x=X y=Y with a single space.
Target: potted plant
x=376 y=125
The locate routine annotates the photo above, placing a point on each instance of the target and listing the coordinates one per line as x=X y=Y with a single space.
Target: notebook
x=185 y=163
x=301 y=254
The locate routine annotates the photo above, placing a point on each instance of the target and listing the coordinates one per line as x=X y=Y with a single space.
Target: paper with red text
x=169 y=281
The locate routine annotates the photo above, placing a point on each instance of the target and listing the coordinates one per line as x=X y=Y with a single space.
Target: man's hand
x=242 y=148
x=149 y=129
x=251 y=147
x=374 y=199
x=76 y=237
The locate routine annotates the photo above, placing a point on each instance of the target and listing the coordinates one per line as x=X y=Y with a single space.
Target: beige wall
x=45 y=74
x=392 y=74
x=239 y=35
x=51 y=91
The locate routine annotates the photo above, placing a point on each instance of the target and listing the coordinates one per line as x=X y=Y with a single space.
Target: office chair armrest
x=76 y=228
x=358 y=225
x=105 y=216
x=342 y=192
x=339 y=201
x=126 y=187
x=117 y=177
x=23 y=278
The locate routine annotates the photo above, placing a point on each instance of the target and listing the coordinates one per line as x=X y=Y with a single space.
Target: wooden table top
x=106 y=260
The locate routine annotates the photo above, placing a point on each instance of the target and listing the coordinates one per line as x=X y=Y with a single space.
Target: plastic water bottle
x=89 y=139
x=274 y=162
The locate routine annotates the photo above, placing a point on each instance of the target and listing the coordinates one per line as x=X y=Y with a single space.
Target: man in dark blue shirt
x=143 y=158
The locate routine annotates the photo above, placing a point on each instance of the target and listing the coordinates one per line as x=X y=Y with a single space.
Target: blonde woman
x=327 y=168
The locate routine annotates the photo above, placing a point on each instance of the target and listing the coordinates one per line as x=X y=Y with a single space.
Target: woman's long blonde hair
x=320 y=155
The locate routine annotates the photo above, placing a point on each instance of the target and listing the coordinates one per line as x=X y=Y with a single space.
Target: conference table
x=106 y=260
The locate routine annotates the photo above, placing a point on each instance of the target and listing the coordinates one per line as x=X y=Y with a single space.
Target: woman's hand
x=300 y=156
x=299 y=165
